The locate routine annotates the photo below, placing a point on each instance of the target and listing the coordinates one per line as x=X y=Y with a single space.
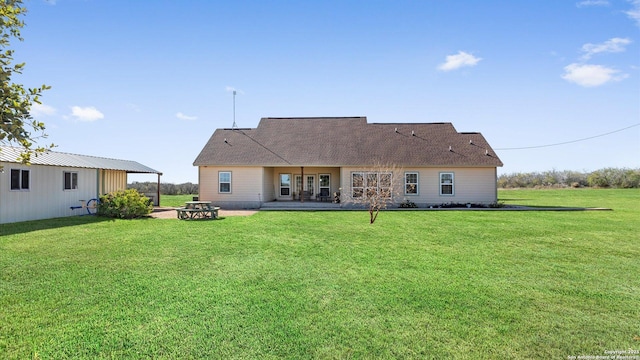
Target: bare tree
x=375 y=188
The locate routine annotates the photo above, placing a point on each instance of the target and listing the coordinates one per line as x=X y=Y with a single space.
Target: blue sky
x=151 y=80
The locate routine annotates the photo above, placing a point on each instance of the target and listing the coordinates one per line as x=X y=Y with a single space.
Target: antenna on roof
x=235 y=126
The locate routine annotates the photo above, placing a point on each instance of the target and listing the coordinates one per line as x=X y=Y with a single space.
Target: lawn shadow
x=47 y=224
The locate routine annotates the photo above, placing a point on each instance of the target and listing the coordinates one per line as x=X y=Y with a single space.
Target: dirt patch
x=170 y=213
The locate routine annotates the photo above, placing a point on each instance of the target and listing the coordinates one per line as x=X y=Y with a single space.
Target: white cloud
x=87 y=114
x=182 y=116
x=613 y=45
x=42 y=110
x=634 y=13
x=592 y=3
x=591 y=75
x=461 y=59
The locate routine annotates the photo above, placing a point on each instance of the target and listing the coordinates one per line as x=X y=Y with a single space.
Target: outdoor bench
x=199 y=213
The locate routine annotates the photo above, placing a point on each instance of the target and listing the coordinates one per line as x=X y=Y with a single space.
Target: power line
x=570 y=142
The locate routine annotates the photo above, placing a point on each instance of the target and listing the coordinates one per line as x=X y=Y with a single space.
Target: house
x=285 y=157
x=56 y=181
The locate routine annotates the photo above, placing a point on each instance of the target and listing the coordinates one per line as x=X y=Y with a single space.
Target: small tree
x=17 y=127
x=375 y=189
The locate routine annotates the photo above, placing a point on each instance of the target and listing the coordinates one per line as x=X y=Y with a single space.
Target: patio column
x=302 y=184
x=158 y=190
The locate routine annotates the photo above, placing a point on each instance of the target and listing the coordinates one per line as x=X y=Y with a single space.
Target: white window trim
x=417 y=174
x=290 y=187
x=357 y=187
x=64 y=180
x=364 y=186
x=20 y=180
x=225 y=182
x=453 y=183
x=326 y=186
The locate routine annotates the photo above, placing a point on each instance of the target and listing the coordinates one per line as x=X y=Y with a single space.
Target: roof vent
x=486 y=152
x=396 y=130
x=470 y=142
x=413 y=133
x=450 y=148
x=225 y=141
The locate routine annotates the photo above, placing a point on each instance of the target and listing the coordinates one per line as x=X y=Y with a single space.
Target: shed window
x=224 y=181
x=19 y=179
x=70 y=180
x=447 y=184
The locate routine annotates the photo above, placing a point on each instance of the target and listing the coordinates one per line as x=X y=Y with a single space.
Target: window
x=285 y=184
x=224 y=182
x=371 y=184
x=446 y=184
x=70 y=180
x=19 y=179
x=411 y=183
x=384 y=185
x=324 y=184
x=357 y=185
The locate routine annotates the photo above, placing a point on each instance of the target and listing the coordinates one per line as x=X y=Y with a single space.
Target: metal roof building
x=54 y=158
x=56 y=184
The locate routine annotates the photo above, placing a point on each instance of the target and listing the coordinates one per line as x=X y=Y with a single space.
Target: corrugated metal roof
x=54 y=158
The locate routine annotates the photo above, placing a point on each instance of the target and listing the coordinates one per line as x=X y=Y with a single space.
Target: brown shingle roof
x=345 y=141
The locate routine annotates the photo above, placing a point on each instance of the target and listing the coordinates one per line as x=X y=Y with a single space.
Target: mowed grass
x=175 y=200
x=416 y=284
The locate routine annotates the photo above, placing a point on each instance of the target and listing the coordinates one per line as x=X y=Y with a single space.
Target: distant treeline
x=165 y=188
x=604 y=178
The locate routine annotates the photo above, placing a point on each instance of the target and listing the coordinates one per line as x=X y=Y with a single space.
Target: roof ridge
x=315 y=117
x=412 y=123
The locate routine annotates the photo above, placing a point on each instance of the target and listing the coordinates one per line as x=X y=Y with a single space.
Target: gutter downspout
x=302 y=185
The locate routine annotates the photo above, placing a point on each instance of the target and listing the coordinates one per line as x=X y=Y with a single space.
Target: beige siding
x=268 y=185
x=112 y=180
x=252 y=185
x=474 y=185
x=46 y=197
x=246 y=186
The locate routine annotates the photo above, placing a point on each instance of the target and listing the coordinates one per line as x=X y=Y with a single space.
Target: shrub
x=408 y=204
x=124 y=204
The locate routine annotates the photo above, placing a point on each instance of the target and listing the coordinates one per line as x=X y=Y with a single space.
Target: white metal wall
x=46 y=197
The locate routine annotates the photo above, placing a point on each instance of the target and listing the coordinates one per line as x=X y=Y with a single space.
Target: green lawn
x=439 y=284
x=175 y=200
